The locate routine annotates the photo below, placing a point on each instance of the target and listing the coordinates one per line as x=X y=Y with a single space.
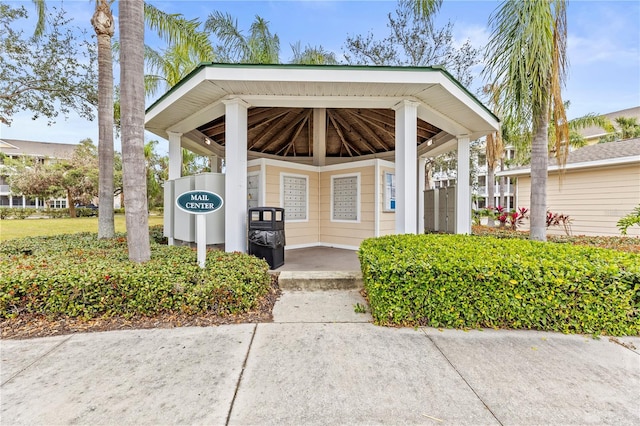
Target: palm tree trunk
x=503 y=193
x=491 y=186
x=539 y=163
x=103 y=24
x=132 y=121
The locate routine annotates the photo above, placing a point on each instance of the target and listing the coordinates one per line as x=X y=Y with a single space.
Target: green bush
x=465 y=281
x=81 y=276
x=23 y=213
x=6 y=212
x=56 y=213
x=156 y=234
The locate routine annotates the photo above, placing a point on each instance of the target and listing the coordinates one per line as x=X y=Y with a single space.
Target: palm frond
x=225 y=28
x=177 y=30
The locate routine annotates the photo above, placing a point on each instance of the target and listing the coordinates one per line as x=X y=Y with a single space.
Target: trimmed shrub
x=23 y=213
x=6 y=212
x=463 y=281
x=81 y=276
x=156 y=234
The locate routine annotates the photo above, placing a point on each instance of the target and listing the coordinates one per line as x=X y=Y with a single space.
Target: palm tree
x=428 y=8
x=527 y=59
x=312 y=55
x=494 y=146
x=259 y=47
x=104 y=26
x=131 y=14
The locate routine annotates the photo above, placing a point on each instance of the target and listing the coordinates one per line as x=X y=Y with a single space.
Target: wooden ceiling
x=288 y=132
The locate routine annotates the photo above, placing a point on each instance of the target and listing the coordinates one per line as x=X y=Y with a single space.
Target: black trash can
x=266 y=234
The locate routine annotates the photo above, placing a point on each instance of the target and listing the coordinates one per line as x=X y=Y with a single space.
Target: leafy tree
x=527 y=60
x=49 y=75
x=131 y=25
x=31 y=178
x=414 y=41
x=157 y=172
x=76 y=177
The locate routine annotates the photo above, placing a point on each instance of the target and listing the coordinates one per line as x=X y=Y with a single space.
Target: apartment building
x=42 y=152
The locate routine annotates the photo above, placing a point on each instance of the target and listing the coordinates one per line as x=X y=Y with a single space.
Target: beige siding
x=297 y=233
x=595 y=199
x=387 y=219
x=348 y=233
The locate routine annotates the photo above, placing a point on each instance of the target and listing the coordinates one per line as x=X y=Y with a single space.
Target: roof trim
x=434 y=69
x=619 y=161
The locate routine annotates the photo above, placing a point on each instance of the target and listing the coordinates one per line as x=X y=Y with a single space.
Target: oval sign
x=199 y=202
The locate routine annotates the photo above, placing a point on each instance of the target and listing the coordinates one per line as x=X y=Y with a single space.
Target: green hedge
x=465 y=281
x=81 y=276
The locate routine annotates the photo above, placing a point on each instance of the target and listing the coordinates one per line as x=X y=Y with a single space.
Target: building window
x=345 y=198
x=389 y=192
x=295 y=197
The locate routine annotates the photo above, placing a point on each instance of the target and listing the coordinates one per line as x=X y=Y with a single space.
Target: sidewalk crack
x=36 y=360
x=462 y=377
x=244 y=365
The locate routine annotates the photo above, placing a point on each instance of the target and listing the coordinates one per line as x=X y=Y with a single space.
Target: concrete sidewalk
x=320 y=363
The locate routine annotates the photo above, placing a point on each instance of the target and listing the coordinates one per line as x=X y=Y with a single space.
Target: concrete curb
x=320 y=280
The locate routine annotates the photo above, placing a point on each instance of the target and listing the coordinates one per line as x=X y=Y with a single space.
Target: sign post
x=200 y=203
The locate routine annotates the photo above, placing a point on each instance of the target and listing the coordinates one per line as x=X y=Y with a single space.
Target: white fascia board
x=205 y=115
x=167 y=102
x=470 y=103
x=310 y=75
x=573 y=166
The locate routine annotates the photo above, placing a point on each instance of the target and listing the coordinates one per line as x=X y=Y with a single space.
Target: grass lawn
x=20 y=228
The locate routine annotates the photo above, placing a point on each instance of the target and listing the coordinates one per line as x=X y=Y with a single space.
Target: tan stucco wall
x=297 y=232
x=594 y=198
x=320 y=228
x=348 y=233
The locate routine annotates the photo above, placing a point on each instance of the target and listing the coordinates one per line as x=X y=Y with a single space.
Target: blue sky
x=603 y=45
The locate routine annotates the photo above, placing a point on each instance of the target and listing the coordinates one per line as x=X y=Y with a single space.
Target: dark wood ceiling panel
x=288 y=132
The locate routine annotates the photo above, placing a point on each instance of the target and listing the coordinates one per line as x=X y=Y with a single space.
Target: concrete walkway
x=320 y=363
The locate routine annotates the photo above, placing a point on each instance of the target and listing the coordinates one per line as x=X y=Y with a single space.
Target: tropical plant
x=629 y=128
x=131 y=15
x=527 y=60
x=312 y=55
x=629 y=220
x=259 y=47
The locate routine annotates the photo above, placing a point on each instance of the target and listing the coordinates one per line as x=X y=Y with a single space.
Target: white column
x=319 y=136
x=463 y=188
x=406 y=167
x=422 y=163
x=175 y=155
x=236 y=175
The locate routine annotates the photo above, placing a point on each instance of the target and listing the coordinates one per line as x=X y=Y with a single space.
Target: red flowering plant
x=559 y=219
x=513 y=219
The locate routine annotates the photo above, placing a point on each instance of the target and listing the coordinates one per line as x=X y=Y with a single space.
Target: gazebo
x=341 y=148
